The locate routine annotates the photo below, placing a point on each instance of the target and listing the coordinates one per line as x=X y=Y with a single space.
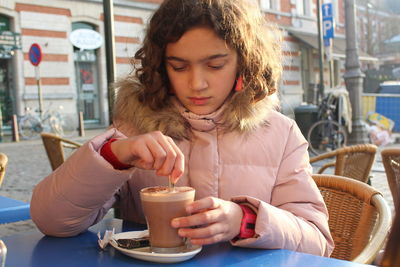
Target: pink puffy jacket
x=268 y=167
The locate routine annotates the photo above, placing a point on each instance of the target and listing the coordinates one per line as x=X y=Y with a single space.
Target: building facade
x=71 y=78
x=379 y=36
x=75 y=78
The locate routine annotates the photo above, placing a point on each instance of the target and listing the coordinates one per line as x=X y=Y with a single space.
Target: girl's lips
x=199 y=100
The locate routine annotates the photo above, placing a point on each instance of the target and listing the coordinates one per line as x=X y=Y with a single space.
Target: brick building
x=76 y=79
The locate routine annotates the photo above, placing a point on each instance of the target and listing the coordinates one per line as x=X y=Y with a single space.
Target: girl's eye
x=216 y=64
x=216 y=67
x=178 y=68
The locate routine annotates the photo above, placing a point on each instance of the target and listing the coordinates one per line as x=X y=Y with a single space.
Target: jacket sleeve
x=80 y=192
x=297 y=218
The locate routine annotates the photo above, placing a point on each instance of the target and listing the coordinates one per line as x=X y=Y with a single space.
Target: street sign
x=327 y=21
x=35 y=54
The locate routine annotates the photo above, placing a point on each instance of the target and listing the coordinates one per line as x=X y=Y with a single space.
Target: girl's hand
x=151 y=151
x=215 y=220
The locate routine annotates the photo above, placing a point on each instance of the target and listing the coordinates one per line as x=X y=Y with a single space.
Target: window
x=270 y=5
x=303 y=7
x=266 y=4
x=4 y=23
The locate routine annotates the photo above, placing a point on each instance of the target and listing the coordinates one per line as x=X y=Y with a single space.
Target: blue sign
x=327 y=21
x=35 y=54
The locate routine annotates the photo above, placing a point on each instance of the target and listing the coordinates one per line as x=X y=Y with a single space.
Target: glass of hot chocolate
x=161 y=204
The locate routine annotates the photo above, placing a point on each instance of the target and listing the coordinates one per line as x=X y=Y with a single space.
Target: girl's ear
x=239 y=84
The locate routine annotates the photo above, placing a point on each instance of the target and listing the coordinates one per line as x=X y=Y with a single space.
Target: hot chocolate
x=160 y=206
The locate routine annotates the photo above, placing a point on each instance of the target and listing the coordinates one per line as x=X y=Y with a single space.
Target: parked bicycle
x=32 y=124
x=327 y=134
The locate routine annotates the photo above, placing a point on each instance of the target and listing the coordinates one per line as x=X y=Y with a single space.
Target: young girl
x=201 y=110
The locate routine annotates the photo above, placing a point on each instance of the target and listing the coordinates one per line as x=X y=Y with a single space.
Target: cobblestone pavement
x=28 y=164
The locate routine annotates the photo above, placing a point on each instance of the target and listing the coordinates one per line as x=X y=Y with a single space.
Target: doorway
x=86 y=73
x=6 y=96
x=87 y=85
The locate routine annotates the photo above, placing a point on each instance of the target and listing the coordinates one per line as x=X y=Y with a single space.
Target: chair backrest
x=352 y=161
x=391 y=162
x=359 y=217
x=3 y=164
x=54 y=146
x=391 y=255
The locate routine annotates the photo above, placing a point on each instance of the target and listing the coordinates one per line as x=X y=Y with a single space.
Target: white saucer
x=145 y=254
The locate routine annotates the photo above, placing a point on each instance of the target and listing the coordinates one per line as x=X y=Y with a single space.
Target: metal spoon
x=171 y=185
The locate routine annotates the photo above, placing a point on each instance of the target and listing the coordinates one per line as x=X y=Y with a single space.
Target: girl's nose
x=197 y=80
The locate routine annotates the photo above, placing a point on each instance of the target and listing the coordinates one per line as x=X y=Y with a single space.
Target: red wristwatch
x=247 y=228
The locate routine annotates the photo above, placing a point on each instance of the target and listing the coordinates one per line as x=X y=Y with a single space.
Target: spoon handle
x=171 y=185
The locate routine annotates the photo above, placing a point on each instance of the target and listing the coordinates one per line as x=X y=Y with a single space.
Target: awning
x=338 y=47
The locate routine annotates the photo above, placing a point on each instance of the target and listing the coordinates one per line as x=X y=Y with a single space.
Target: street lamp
x=353 y=76
x=320 y=94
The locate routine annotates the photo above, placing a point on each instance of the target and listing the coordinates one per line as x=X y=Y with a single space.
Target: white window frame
x=303 y=7
x=270 y=5
x=266 y=4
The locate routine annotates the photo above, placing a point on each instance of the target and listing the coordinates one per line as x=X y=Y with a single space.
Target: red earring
x=239 y=84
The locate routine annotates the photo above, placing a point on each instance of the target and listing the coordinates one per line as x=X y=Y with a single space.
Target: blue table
x=12 y=210
x=35 y=249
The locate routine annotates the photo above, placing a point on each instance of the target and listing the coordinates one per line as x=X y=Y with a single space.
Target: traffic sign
x=35 y=54
x=327 y=21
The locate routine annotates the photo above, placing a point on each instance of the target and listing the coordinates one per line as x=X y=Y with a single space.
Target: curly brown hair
x=239 y=22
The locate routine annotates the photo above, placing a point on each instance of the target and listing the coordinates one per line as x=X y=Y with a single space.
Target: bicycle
x=32 y=124
x=326 y=134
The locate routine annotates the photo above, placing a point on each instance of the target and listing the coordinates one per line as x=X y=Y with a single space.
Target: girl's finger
x=169 y=158
x=203 y=204
x=202 y=218
x=202 y=232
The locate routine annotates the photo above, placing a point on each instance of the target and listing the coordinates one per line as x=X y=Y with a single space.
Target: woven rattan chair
x=391 y=255
x=359 y=217
x=3 y=164
x=54 y=146
x=391 y=162
x=351 y=161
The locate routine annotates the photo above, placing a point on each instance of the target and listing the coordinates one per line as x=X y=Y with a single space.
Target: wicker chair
x=54 y=146
x=391 y=162
x=3 y=164
x=359 y=217
x=351 y=161
x=391 y=255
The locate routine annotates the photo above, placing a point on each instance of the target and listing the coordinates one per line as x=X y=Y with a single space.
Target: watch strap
x=247 y=227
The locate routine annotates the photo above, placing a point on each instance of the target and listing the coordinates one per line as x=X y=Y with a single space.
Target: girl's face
x=202 y=70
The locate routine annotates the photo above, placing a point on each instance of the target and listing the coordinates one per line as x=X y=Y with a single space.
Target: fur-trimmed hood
x=133 y=117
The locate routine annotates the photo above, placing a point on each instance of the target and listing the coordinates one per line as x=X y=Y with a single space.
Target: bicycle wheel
x=325 y=136
x=30 y=127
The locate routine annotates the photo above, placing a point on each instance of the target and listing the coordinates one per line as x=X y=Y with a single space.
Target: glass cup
x=161 y=205
x=3 y=253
